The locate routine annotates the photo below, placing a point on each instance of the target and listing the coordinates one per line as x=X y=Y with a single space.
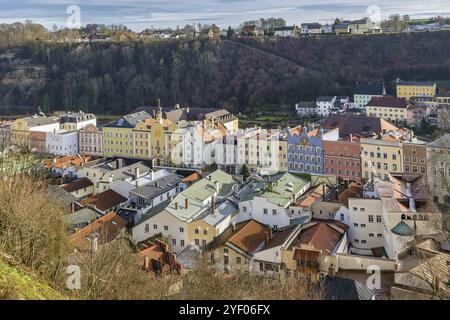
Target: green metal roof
x=402 y=229
x=278 y=192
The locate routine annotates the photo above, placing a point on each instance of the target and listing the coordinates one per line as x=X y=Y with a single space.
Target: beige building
x=414 y=157
x=394 y=110
x=90 y=140
x=438 y=159
x=380 y=157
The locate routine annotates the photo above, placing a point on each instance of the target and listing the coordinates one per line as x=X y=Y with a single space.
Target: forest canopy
x=262 y=74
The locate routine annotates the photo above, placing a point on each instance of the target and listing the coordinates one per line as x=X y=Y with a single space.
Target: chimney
x=331 y=271
x=176 y=205
x=152 y=175
x=217 y=187
x=186 y=203
x=72 y=207
x=437 y=286
x=233 y=226
x=136 y=174
x=146 y=263
x=270 y=234
x=213 y=205
x=267 y=237
x=324 y=191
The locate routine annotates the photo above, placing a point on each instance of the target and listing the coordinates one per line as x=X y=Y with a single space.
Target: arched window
x=403 y=216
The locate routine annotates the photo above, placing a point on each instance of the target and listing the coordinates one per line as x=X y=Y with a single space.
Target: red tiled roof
x=388 y=102
x=249 y=235
x=321 y=236
x=107 y=228
x=105 y=200
x=77 y=185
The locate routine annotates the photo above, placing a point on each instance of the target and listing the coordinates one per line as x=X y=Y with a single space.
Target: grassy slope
x=19 y=285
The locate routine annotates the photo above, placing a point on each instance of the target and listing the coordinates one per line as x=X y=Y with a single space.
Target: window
x=244 y=209
x=166 y=228
x=181 y=243
x=155 y=226
x=274 y=212
x=355 y=225
x=197 y=231
x=197 y=242
x=379 y=235
x=342 y=217
x=378 y=219
x=147 y=228
x=371 y=218
x=204 y=243
x=205 y=232
x=225 y=250
x=265 y=211
x=363 y=241
x=363 y=225
x=174 y=242
x=181 y=230
x=371 y=235
x=356 y=241
x=238 y=260
x=225 y=260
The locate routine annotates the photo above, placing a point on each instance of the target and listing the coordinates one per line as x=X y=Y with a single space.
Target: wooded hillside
x=246 y=76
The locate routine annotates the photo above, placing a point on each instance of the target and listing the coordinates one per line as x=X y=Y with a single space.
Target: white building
x=62 y=142
x=287 y=31
x=324 y=105
x=311 y=28
x=306 y=109
x=271 y=202
x=74 y=121
x=365 y=91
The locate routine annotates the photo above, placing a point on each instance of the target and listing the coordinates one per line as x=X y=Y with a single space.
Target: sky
x=142 y=14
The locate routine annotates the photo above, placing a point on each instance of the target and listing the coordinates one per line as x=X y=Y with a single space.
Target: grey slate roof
x=60 y=195
x=337 y=288
x=80 y=217
x=129 y=121
x=369 y=88
x=158 y=187
x=442 y=142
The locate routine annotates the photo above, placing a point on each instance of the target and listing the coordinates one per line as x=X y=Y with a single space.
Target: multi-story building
x=390 y=214
x=62 y=142
x=365 y=91
x=306 y=109
x=195 y=216
x=438 y=167
x=273 y=203
x=392 y=109
x=90 y=140
x=310 y=28
x=410 y=89
x=342 y=159
x=380 y=157
x=305 y=148
x=325 y=105
x=74 y=121
x=257 y=148
x=118 y=135
x=414 y=157
x=21 y=128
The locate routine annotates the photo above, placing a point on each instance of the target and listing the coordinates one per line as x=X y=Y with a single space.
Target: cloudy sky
x=140 y=14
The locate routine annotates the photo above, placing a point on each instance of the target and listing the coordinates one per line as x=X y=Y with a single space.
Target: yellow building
x=380 y=157
x=394 y=110
x=118 y=135
x=409 y=89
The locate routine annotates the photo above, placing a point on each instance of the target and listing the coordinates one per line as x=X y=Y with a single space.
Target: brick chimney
x=146 y=263
x=331 y=271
